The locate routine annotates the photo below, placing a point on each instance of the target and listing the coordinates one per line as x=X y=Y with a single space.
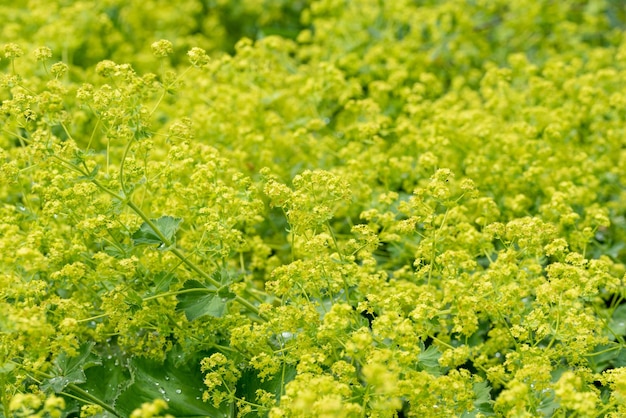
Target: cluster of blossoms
x=319 y=208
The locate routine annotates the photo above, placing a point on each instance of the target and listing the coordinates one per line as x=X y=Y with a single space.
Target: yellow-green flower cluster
x=330 y=208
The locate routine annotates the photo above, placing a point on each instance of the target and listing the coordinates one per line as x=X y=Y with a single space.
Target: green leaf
x=604 y=356
x=7 y=368
x=162 y=282
x=482 y=403
x=71 y=369
x=199 y=300
x=92 y=175
x=167 y=225
x=429 y=359
x=617 y=324
x=180 y=384
x=249 y=383
x=107 y=380
x=620 y=359
x=548 y=404
x=225 y=292
x=118 y=252
x=133 y=300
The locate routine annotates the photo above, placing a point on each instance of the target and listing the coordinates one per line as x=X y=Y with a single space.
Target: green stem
x=74 y=388
x=67 y=132
x=608 y=350
x=179 y=292
x=437 y=340
x=86 y=395
x=104 y=315
x=335 y=243
x=122 y=183
x=186 y=260
x=166 y=242
x=556 y=327
x=74 y=167
x=166 y=88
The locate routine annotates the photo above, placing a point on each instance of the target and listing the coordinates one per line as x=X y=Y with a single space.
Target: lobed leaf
x=200 y=300
x=167 y=225
x=179 y=384
x=71 y=369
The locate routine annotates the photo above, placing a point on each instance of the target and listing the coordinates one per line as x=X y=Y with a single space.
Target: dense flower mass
x=313 y=208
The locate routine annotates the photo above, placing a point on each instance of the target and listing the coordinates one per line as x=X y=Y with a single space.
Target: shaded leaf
x=117 y=252
x=180 y=384
x=92 y=175
x=617 y=324
x=605 y=356
x=482 y=403
x=162 y=282
x=199 y=300
x=107 y=380
x=429 y=359
x=7 y=367
x=549 y=404
x=71 y=369
x=133 y=300
x=167 y=225
x=249 y=383
x=620 y=359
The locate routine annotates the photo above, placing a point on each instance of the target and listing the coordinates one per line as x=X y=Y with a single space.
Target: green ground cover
x=322 y=208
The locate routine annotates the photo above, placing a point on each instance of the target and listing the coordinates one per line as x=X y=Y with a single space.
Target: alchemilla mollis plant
x=316 y=208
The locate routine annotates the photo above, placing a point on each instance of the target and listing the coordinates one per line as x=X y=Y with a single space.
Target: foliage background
x=312 y=208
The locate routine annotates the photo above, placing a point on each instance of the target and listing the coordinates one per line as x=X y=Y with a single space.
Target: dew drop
x=167 y=378
x=179 y=391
